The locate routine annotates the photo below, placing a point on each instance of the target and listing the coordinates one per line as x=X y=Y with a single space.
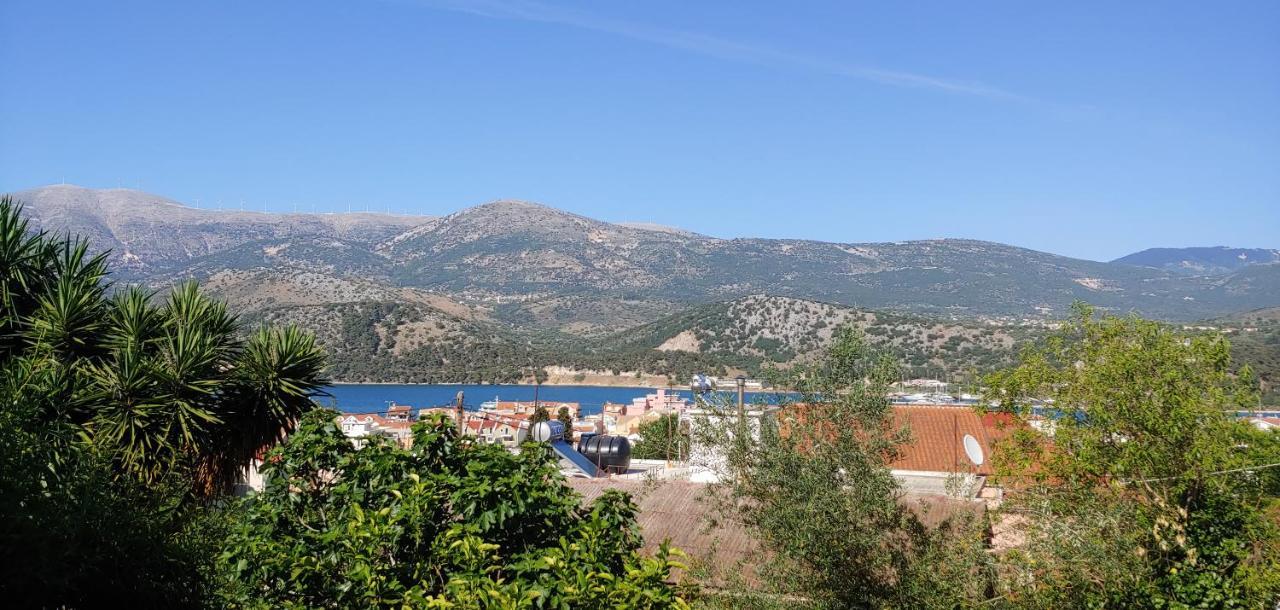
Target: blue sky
x=1090 y=129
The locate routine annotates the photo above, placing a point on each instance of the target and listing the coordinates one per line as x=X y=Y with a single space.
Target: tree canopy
x=662 y=438
x=565 y=417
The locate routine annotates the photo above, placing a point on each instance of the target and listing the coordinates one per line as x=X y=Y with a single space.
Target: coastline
x=635 y=384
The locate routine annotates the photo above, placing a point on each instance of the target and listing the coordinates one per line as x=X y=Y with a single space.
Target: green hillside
x=1255 y=339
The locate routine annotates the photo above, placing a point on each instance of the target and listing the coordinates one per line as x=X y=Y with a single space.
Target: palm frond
x=276 y=378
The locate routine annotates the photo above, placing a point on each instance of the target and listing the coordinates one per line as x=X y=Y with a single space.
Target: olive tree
x=811 y=482
x=1147 y=492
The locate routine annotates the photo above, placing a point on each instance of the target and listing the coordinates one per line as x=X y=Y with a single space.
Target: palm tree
x=159 y=387
x=276 y=376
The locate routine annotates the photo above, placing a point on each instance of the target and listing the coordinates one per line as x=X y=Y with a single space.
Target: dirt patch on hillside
x=686 y=341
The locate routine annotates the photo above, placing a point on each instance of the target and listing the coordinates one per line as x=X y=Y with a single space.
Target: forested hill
x=1255 y=340
x=761 y=329
x=417 y=341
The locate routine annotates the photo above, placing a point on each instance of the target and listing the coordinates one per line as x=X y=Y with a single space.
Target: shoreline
x=530 y=385
x=636 y=386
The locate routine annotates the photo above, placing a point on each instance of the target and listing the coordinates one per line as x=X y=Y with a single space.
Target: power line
x=1207 y=474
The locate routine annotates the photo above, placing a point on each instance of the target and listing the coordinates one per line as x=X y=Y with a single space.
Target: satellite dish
x=973 y=450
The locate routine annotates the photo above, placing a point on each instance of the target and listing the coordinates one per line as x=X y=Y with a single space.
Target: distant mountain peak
x=1203 y=260
x=514 y=210
x=659 y=228
x=504 y=204
x=70 y=195
x=157 y=234
x=514 y=204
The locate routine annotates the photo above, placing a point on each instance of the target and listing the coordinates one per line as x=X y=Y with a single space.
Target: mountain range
x=487 y=292
x=535 y=265
x=1217 y=260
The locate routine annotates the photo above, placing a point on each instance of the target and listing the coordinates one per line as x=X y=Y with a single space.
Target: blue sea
x=374 y=398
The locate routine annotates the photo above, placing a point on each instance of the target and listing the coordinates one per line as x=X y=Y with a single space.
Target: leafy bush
x=451 y=523
x=74 y=534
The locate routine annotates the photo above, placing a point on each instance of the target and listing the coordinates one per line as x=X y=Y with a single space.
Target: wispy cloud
x=713 y=46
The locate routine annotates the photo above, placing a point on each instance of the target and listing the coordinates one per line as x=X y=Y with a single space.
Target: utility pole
x=742 y=398
x=457 y=414
x=667 y=414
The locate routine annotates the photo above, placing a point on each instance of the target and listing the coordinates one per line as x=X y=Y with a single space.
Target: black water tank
x=608 y=453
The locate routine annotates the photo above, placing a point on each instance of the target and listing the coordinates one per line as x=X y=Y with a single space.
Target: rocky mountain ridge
x=538 y=267
x=148 y=234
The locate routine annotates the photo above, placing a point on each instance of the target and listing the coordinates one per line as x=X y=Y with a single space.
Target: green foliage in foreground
x=1149 y=493
x=75 y=534
x=452 y=523
x=1146 y=495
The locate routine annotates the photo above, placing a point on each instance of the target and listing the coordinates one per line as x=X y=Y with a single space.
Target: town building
x=527 y=407
x=358 y=426
x=1265 y=423
x=397 y=412
x=625 y=419
x=508 y=430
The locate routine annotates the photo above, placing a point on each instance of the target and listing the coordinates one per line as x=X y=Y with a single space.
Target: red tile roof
x=937 y=437
x=488 y=421
x=395 y=424
x=551 y=405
